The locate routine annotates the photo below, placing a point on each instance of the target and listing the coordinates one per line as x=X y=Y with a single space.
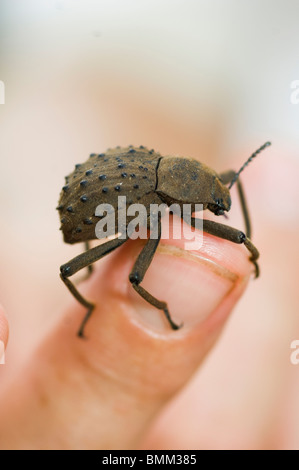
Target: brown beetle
x=145 y=177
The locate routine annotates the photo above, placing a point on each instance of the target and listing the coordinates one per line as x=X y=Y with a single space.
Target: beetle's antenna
x=247 y=162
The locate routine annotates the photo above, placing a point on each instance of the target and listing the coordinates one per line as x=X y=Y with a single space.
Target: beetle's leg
x=226 y=178
x=138 y=272
x=89 y=268
x=82 y=261
x=231 y=234
x=90 y=306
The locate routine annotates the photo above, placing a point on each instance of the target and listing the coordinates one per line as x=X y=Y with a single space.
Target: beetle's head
x=221 y=198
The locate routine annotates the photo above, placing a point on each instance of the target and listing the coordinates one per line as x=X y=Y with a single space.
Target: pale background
x=207 y=79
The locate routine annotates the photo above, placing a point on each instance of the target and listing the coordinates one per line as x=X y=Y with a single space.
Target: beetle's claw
x=257 y=269
x=81 y=334
x=174 y=326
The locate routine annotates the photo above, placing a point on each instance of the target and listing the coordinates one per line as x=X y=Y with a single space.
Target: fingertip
x=194 y=284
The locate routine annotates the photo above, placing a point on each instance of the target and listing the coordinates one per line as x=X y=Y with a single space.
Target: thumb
x=102 y=392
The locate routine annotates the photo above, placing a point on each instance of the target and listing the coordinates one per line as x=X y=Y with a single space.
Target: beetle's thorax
x=185 y=180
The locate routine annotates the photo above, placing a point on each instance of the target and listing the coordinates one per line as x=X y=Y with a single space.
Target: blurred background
x=206 y=79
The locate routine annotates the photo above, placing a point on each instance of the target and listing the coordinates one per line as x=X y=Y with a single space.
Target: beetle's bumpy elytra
x=145 y=177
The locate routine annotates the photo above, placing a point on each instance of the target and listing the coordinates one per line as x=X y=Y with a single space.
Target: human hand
x=104 y=392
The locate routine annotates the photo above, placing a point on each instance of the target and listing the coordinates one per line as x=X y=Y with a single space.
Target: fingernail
x=192 y=285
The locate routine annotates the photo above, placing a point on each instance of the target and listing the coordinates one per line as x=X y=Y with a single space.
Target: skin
x=111 y=390
x=128 y=368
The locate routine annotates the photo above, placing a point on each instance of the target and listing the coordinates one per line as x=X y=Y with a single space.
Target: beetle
x=146 y=177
